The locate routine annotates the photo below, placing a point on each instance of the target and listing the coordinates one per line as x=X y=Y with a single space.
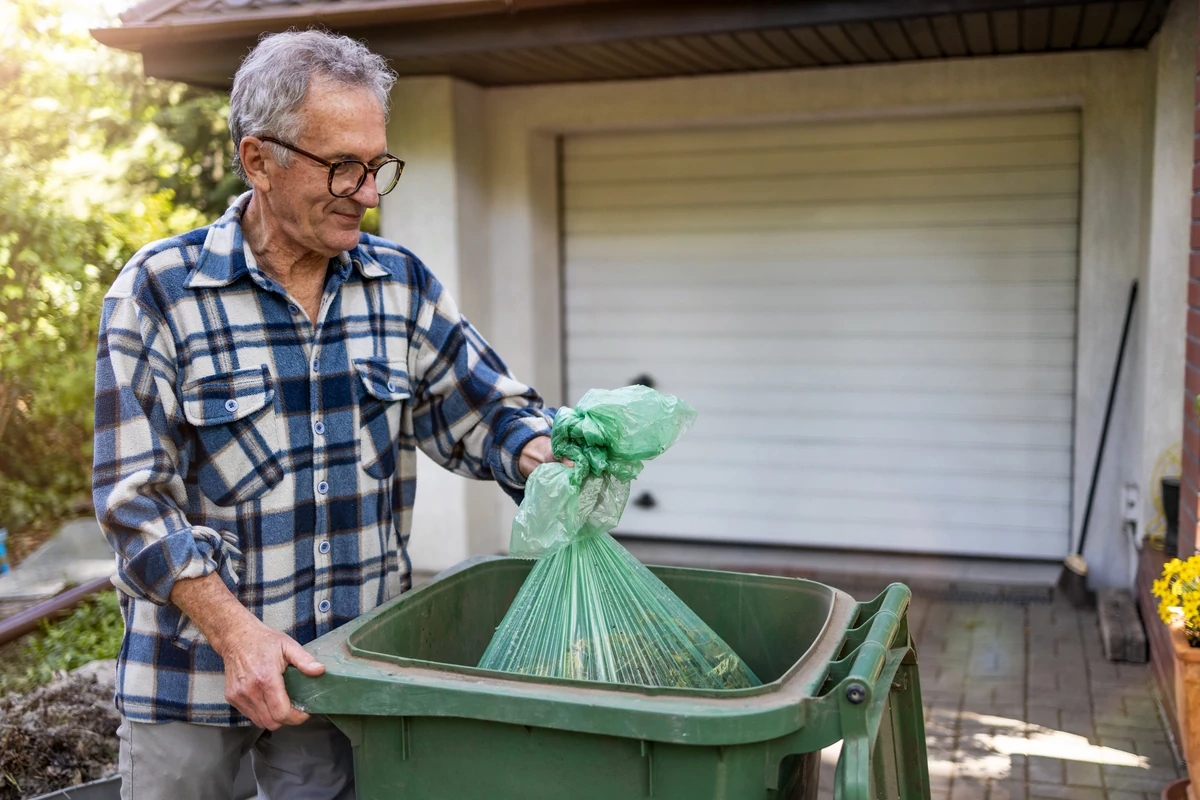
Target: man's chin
x=342 y=240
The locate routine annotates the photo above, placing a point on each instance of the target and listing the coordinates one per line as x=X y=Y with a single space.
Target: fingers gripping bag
x=589 y=610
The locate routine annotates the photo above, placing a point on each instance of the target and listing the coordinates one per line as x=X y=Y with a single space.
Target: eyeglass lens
x=349 y=176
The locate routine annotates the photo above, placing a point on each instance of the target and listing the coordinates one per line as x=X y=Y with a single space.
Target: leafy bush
x=97 y=162
x=89 y=633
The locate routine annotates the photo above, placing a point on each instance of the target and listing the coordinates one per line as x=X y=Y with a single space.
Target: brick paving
x=1020 y=704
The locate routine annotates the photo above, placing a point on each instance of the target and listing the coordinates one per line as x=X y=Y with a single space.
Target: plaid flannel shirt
x=233 y=436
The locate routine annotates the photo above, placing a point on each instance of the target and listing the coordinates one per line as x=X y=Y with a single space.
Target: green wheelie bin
x=427 y=724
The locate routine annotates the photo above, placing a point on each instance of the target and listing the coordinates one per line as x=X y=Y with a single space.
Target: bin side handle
x=885 y=621
x=862 y=682
x=860 y=730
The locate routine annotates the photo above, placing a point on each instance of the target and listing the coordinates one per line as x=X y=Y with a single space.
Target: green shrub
x=96 y=162
x=89 y=633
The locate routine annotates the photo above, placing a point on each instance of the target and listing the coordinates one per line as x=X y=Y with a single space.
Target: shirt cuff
x=182 y=555
x=515 y=430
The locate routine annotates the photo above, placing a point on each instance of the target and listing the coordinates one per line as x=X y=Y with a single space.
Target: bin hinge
x=648 y=754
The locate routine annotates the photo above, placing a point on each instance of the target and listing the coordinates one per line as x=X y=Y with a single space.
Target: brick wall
x=1189 y=495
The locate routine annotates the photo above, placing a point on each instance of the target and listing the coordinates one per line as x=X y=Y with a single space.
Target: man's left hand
x=536 y=453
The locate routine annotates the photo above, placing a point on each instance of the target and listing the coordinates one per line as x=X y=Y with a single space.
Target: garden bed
x=57 y=719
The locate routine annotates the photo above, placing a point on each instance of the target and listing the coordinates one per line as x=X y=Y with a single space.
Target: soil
x=59 y=735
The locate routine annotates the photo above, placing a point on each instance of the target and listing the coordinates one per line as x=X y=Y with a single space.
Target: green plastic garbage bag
x=589 y=610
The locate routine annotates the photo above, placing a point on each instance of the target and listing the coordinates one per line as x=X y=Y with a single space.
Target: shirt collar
x=222 y=259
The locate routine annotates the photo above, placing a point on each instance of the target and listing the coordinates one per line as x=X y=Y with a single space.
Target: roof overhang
x=507 y=42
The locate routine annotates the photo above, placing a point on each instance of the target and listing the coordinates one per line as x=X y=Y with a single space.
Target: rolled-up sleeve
x=139 y=461
x=469 y=413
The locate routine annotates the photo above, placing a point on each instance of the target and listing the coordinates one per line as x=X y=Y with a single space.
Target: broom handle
x=1112 y=396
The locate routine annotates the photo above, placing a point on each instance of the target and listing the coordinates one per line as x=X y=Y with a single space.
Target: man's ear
x=254 y=162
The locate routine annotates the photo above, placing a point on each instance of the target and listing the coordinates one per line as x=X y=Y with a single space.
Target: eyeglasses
x=347 y=177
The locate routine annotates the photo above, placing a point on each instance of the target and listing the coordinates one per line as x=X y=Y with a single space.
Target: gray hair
x=271 y=84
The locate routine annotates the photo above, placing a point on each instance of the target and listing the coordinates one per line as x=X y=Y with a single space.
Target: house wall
x=1159 y=375
x=437 y=211
x=513 y=289
x=1189 y=500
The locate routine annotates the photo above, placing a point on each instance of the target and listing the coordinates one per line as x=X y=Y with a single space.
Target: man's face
x=338 y=123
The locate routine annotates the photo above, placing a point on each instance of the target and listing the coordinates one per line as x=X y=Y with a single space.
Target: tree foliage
x=95 y=162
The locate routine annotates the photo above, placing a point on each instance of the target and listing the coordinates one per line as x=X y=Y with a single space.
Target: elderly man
x=261 y=388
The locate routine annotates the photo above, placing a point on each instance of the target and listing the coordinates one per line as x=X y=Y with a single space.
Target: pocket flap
x=221 y=399
x=383 y=379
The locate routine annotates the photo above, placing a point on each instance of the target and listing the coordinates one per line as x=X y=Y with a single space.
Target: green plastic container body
x=425 y=723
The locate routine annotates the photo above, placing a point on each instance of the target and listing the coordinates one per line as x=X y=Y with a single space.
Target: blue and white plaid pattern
x=233 y=437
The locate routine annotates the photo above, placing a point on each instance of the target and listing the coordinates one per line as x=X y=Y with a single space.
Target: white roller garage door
x=876 y=322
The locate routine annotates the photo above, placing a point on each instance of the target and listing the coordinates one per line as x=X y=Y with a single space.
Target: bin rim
x=365 y=684
x=792 y=672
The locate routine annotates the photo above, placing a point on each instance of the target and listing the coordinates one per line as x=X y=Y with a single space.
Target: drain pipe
x=28 y=620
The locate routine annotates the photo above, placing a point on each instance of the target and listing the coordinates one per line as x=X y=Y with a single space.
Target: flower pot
x=1187 y=699
x=1177 y=790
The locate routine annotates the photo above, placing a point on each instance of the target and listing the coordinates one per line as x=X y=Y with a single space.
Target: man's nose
x=367 y=194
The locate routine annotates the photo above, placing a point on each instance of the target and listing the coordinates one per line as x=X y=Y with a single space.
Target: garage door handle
x=643 y=380
x=645 y=500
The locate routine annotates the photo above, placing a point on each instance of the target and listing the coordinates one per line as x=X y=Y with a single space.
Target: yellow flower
x=1178 y=591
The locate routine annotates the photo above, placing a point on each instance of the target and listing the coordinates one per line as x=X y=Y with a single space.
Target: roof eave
x=135 y=37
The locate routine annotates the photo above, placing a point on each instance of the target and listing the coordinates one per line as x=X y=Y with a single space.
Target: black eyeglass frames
x=347 y=176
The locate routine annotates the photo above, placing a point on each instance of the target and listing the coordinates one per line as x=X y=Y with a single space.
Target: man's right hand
x=255 y=658
x=255 y=655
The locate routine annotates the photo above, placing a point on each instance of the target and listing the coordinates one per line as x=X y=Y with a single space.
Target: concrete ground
x=1020 y=704
x=76 y=554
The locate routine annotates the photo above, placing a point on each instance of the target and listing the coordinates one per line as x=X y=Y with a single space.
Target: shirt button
x=391 y=386
x=323 y=606
x=319 y=427
x=295 y=309
x=316 y=365
x=322 y=487
x=231 y=406
x=323 y=547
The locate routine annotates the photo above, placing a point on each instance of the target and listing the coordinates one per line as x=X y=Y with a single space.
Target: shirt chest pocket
x=384 y=388
x=241 y=455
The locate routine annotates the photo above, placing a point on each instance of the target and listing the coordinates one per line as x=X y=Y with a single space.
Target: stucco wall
x=503 y=255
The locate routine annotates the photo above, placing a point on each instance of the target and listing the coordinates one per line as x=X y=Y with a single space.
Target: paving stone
x=1078 y=723
x=1014 y=714
x=1135 y=705
x=1074 y=708
x=1007 y=790
x=1042 y=717
x=1046 y=770
x=942 y=697
x=1009 y=693
x=1105 y=731
x=1113 y=719
x=939 y=782
x=1052 y=698
x=1082 y=773
x=1150 y=785
x=1042 y=682
x=981 y=765
x=1158 y=754
x=1119 y=795
x=1057 y=791
x=1114 y=774
x=1126 y=744
x=968 y=790
x=1018 y=769
x=940 y=725
x=1132 y=671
